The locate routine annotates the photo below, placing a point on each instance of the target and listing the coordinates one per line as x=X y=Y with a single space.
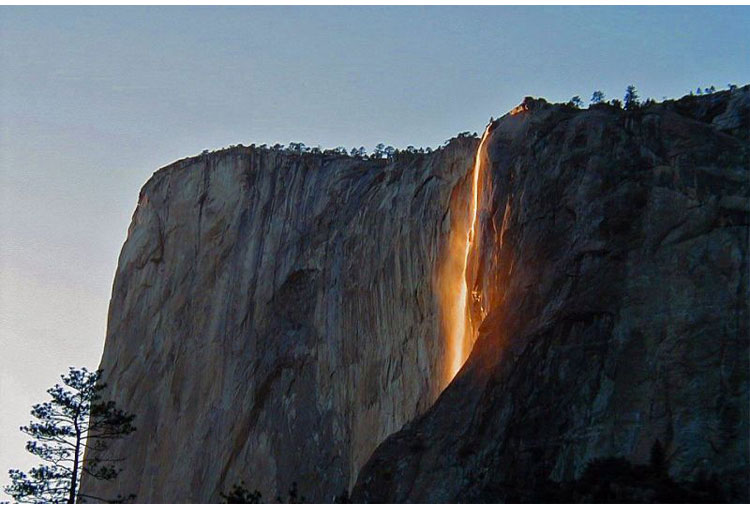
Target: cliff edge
x=273 y=318
x=614 y=274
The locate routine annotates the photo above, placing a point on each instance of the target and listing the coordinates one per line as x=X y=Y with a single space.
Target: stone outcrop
x=614 y=273
x=273 y=318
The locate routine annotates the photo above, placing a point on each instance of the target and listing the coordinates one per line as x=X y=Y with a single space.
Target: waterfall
x=454 y=288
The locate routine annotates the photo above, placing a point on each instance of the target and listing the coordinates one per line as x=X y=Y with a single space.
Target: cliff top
x=727 y=111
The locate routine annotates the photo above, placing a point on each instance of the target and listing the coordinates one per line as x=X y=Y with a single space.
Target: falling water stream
x=457 y=321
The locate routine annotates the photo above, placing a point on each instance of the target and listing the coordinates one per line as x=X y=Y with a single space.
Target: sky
x=94 y=100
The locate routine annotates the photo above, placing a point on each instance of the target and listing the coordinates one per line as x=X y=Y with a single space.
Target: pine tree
x=631 y=98
x=576 y=102
x=74 y=422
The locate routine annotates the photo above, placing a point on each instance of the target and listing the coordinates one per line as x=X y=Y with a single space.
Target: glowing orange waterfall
x=454 y=291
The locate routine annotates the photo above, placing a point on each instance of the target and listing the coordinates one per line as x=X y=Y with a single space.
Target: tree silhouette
x=597 y=97
x=74 y=422
x=298 y=148
x=576 y=102
x=631 y=98
x=240 y=494
x=293 y=496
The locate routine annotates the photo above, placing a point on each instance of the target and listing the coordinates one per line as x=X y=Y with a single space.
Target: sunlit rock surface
x=273 y=318
x=614 y=261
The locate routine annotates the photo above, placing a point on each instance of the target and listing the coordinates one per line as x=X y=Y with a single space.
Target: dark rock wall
x=614 y=265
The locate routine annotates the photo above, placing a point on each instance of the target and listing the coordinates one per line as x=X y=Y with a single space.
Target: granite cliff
x=275 y=317
x=614 y=275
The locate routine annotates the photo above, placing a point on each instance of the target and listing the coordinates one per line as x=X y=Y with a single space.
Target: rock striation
x=273 y=318
x=614 y=273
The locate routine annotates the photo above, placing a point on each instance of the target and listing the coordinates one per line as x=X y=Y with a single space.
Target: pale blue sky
x=93 y=100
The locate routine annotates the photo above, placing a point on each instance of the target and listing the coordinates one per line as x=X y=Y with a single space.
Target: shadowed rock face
x=273 y=318
x=614 y=264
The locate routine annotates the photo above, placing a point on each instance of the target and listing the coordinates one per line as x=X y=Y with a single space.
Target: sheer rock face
x=614 y=266
x=273 y=318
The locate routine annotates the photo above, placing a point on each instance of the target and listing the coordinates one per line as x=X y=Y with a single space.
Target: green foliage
x=73 y=422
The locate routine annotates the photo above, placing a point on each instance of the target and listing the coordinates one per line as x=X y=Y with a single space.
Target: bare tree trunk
x=74 y=475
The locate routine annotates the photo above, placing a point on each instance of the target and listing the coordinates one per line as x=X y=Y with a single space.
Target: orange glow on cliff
x=453 y=289
x=519 y=109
